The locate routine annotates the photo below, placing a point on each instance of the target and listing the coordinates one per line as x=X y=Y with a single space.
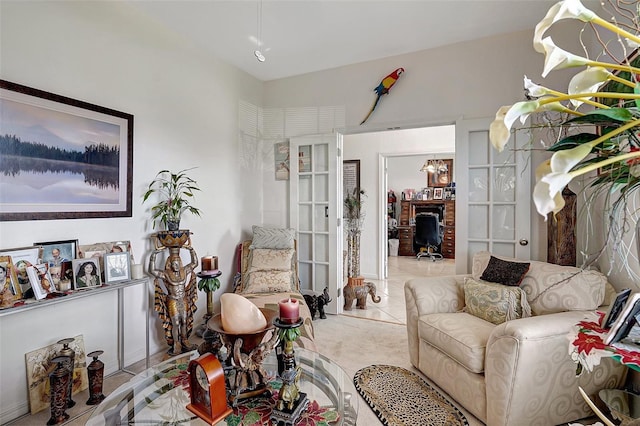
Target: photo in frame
x=10 y=290
x=56 y=252
x=86 y=273
x=437 y=193
x=98 y=250
x=281 y=160
x=83 y=150
x=443 y=174
x=117 y=267
x=22 y=258
x=41 y=280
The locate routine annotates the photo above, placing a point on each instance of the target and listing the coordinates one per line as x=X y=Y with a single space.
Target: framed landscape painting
x=62 y=158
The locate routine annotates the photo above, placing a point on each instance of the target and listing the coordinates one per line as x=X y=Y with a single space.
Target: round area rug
x=400 y=397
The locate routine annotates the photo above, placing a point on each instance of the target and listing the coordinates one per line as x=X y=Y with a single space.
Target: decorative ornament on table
x=207 y=388
x=600 y=144
x=383 y=88
x=248 y=336
x=291 y=402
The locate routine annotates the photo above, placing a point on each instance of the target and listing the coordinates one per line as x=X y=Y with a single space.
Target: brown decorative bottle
x=95 y=371
x=71 y=355
x=59 y=380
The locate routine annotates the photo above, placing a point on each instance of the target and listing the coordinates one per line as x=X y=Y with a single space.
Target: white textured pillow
x=268 y=282
x=554 y=288
x=270 y=259
x=272 y=238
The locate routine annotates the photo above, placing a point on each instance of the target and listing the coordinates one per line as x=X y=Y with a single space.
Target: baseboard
x=14 y=412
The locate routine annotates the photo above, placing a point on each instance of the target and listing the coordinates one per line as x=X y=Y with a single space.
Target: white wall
x=185 y=108
x=439 y=86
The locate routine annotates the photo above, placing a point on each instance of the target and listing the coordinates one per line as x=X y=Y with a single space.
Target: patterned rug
x=402 y=398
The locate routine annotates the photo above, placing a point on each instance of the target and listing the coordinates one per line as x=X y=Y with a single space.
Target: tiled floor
x=391 y=291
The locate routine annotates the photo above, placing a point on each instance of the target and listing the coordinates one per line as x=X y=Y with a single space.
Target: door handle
x=326 y=211
x=523 y=242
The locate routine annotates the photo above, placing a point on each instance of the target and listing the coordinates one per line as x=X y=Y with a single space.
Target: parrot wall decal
x=383 y=88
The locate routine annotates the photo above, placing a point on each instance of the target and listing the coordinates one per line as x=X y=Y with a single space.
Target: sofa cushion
x=495 y=302
x=554 y=288
x=267 y=282
x=458 y=334
x=272 y=238
x=270 y=259
x=505 y=272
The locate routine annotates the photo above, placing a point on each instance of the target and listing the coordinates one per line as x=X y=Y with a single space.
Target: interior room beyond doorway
x=418 y=144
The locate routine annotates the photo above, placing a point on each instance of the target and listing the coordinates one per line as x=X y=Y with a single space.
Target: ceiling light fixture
x=429 y=166
x=259 y=56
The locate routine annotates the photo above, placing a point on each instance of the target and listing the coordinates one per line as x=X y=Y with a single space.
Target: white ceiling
x=302 y=36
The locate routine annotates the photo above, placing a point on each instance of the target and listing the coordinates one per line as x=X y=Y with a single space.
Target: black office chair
x=428 y=236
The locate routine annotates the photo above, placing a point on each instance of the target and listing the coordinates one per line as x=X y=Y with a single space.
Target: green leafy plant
x=176 y=192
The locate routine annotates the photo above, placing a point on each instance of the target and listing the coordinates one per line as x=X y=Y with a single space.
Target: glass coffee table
x=159 y=395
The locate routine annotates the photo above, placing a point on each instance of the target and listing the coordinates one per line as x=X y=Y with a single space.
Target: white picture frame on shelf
x=41 y=280
x=117 y=267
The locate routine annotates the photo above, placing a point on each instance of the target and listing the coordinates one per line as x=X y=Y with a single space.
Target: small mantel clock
x=208 y=392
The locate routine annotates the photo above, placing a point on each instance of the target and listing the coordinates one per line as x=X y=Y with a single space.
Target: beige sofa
x=518 y=372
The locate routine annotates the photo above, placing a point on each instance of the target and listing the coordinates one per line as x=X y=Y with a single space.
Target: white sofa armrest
x=430 y=295
x=521 y=357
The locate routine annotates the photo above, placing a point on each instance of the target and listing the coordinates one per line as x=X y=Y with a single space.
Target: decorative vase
x=173 y=225
x=353 y=253
x=173 y=238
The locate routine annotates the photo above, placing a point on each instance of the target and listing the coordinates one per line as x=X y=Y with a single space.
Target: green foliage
x=175 y=191
x=209 y=284
x=353 y=203
x=289 y=334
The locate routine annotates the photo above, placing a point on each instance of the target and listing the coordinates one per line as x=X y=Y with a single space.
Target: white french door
x=494 y=208
x=314 y=213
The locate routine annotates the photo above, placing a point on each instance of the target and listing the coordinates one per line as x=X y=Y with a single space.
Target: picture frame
x=350 y=177
x=22 y=258
x=41 y=280
x=98 y=250
x=440 y=179
x=437 y=193
x=81 y=272
x=281 y=160
x=9 y=280
x=117 y=267
x=89 y=186
x=56 y=252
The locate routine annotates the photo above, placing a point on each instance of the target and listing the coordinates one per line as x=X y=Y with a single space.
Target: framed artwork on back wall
x=62 y=158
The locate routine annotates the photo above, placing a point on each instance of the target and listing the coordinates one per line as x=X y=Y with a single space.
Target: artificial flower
x=587 y=81
x=557 y=58
x=568 y=9
x=498 y=131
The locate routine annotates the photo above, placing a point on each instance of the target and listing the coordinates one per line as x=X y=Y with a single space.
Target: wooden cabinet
x=409 y=209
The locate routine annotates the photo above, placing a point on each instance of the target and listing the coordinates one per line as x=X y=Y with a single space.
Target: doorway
x=371 y=149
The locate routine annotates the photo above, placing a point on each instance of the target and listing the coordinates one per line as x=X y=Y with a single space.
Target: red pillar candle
x=289 y=311
x=209 y=263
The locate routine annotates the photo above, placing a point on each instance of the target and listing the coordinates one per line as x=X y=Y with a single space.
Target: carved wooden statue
x=176 y=303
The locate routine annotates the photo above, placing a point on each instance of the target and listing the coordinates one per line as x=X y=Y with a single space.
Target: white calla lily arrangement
x=612 y=146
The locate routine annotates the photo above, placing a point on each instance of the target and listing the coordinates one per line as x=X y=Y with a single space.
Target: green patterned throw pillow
x=495 y=302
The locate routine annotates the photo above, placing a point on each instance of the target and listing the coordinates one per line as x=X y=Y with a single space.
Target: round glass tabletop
x=160 y=395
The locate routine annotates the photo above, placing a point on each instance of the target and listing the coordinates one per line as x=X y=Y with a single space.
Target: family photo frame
x=85 y=150
x=21 y=259
x=86 y=273
x=41 y=280
x=56 y=252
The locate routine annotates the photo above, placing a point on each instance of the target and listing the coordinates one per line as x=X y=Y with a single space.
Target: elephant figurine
x=359 y=293
x=316 y=302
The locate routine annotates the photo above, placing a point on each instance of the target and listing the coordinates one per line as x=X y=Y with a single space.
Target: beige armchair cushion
x=554 y=288
x=460 y=335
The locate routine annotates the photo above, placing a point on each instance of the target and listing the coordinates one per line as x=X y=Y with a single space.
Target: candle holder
x=59 y=381
x=208 y=283
x=95 y=370
x=291 y=402
x=66 y=351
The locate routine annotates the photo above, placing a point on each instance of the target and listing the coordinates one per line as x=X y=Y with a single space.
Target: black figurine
x=317 y=302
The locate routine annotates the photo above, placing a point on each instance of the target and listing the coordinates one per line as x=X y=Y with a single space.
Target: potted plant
x=175 y=191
